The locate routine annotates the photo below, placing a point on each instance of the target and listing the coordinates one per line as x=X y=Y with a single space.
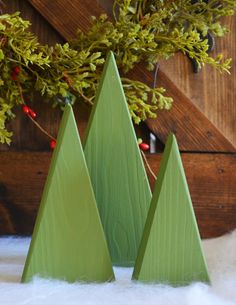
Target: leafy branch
x=141 y=31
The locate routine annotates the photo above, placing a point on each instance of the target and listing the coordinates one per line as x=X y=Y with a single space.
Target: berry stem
x=41 y=128
x=148 y=165
x=30 y=115
x=70 y=84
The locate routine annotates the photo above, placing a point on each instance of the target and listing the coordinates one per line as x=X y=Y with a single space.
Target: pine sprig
x=141 y=31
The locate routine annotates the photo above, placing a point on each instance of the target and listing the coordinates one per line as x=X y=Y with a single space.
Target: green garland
x=142 y=30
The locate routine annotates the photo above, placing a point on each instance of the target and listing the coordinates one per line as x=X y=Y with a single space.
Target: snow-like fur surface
x=221 y=258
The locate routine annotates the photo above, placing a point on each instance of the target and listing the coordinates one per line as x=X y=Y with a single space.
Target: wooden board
x=211 y=179
x=194 y=130
x=117 y=172
x=66 y=17
x=170 y=251
x=214 y=93
x=44 y=31
x=68 y=241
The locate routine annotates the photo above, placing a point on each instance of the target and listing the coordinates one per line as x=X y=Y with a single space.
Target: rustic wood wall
x=206 y=137
x=214 y=93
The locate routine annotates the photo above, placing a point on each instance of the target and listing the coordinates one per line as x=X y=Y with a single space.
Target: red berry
x=16 y=70
x=53 y=144
x=144 y=146
x=32 y=113
x=25 y=109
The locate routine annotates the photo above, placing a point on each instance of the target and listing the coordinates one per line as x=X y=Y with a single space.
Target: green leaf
x=1 y=55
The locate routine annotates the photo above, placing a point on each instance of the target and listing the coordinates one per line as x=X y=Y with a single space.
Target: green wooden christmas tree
x=170 y=251
x=68 y=241
x=116 y=168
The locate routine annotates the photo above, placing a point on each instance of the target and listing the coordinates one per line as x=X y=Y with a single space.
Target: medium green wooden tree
x=68 y=241
x=170 y=251
x=116 y=168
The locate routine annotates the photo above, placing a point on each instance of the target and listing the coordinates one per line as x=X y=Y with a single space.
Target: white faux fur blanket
x=221 y=258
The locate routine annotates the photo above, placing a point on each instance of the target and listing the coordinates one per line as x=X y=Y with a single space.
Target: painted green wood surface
x=170 y=251
x=68 y=241
x=116 y=168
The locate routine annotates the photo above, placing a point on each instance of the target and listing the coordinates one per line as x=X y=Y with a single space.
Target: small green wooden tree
x=116 y=168
x=68 y=241
x=170 y=251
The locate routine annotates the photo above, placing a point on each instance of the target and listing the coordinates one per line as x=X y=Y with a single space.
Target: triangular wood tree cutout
x=116 y=168
x=170 y=251
x=68 y=241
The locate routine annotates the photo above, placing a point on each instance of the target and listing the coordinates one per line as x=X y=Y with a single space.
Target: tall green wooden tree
x=68 y=241
x=170 y=251
x=116 y=168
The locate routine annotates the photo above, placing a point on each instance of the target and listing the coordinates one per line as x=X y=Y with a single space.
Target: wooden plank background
x=211 y=177
x=212 y=92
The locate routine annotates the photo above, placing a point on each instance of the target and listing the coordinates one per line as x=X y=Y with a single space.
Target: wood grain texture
x=170 y=251
x=68 y=241
x=194 y=130
x=116 y=168
x=214 y=93
x=211 y=179
x=66 y=17
x=44 y=31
